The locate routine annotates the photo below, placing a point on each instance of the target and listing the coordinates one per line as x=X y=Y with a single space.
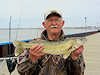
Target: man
x=34 y=62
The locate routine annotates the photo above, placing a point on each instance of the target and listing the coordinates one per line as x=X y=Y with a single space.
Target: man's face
x=53 y=24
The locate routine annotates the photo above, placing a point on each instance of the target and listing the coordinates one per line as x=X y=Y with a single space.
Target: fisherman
x=34 y=62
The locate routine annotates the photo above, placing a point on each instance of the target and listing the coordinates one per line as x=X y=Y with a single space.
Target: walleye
x=52 y=47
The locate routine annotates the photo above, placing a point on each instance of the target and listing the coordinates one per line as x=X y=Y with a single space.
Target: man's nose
x=54 y=23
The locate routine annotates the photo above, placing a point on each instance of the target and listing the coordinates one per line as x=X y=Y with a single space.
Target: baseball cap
x=52 y=12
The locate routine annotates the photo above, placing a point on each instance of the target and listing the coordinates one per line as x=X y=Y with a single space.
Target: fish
x=61 y=47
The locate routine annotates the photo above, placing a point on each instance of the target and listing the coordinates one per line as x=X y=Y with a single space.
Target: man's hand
x=35 y=52
x=77 y=52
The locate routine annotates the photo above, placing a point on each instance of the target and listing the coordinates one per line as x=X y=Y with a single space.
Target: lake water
x=23 y=34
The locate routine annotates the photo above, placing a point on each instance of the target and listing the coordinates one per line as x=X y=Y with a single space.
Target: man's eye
x=56 y=19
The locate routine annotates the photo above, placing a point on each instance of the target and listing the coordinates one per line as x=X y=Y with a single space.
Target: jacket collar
x=44 y=35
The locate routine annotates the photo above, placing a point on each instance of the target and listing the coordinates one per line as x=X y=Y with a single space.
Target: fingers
x=39 y=48
x=78 y=50
x=36 y=50
x=40 y=54
x=34 y=47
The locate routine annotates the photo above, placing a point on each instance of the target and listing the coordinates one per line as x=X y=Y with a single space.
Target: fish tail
x=19 y=47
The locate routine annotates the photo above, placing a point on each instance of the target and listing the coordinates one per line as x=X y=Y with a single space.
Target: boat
x=7 y=50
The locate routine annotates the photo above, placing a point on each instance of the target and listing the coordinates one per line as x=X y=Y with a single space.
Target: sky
x=30 y=13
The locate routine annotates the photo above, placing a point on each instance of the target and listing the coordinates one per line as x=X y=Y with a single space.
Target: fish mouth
x=54 y=26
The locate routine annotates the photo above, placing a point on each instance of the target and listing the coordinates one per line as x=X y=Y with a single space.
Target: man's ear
x=44 y=24
x=63 y=22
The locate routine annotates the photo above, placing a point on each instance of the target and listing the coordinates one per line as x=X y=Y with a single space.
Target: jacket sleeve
x=25 y=65
x=75 y=67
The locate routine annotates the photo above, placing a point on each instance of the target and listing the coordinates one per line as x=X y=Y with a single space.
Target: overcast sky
x=30 y=13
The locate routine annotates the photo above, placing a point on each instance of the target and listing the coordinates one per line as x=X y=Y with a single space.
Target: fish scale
x=51 y=47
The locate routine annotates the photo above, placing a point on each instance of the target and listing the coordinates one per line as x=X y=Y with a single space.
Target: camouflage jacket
x=50 y=64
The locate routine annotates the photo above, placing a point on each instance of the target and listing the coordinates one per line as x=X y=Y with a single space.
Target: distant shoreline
x=88 y=27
